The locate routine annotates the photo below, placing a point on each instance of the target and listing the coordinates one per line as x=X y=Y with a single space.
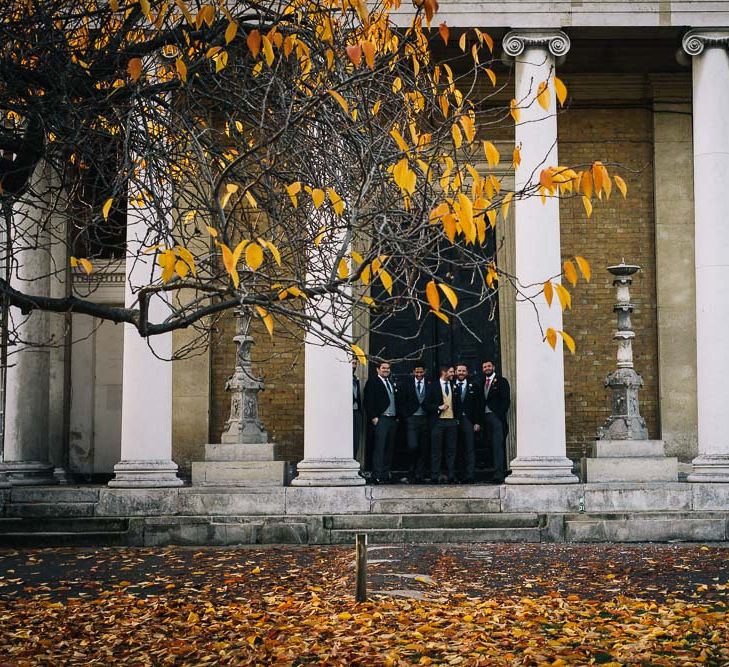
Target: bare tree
x=302 y=159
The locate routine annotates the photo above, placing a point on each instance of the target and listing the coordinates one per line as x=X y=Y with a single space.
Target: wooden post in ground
x=361 y=567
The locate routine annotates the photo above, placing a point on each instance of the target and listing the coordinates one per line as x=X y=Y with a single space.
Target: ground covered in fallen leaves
x=485 y=604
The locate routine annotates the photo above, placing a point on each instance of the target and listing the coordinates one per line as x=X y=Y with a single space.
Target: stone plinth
x=631 y=461
x=239 y=464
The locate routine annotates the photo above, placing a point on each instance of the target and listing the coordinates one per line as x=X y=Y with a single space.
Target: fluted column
x=27 y=382
x=708 y=49
x=540 y=412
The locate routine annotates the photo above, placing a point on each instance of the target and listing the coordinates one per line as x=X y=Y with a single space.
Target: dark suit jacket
x=409 y=397
x=472 y=404
x=376 y=398
x=499 y=398
x=434 y=399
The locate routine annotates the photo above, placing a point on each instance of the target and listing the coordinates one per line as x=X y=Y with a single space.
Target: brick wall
x=618 y=229
x=281 y=363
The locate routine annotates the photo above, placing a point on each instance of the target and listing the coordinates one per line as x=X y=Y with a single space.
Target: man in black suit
x=381 y=403
x=356 y=410
x=417 y=421
x=497 y=399
x=444 y=425
x=469 y=411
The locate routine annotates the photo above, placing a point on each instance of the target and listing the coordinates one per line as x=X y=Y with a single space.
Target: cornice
x=553 y=40
x=695 y=41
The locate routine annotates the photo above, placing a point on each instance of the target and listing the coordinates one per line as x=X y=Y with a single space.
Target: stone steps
x=43 y=510
x=64 y=531
x=437 y=535
x=439 y=521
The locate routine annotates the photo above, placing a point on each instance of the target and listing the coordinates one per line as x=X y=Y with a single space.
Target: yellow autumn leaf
x=432 y=295
x=469 y=128
x=230 y=264
x=340 y=100
x=230 y=32
x=620 y=185
x=212 y=231
x=548 y=292
x=588 y=205
x=449 y=294
x=181 y=69
x=317 y=197
x=457 y=136
x=254 y=42
x=272 y=249
x=368 y=48
x=514 y=110
x=543 y=96
x=336 y=201
x=229 y=189
x=565 y=298
x=134 y=68
x=254 y=255
x=505 y=203
x=293 y=189
x=359 y=353
x=551 y=337
x=570 y=272
x=267 y=319
x=568 y=341
x=343 y=269
x=516 y=156
x=561 y=90
x=441 y=316
x=107 y=207
x=584 y=266
x=186 y=256
x=357 y=257
x=492 y=154
x=267 y=50
x=86 y=265
x=491 y=75
x=465 y=217
x=462 y=42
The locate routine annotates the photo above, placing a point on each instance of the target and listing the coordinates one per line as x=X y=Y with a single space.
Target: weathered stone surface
x=50 y=509
x=327 y=500
x=263 y=451
x=637 y=497
x=540 y=498
x=284 y=533
x=61 y=494
x=632 y=469
x=646 y=529
x=239 y=473
x=402 y=491
x=710 y=496
x=232 y=501
x=436 y=505
x=627 y=448
x=440 y=535
x=138 y=502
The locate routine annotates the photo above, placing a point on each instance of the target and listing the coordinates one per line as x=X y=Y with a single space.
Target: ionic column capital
x=555 y=41
x=695 y=41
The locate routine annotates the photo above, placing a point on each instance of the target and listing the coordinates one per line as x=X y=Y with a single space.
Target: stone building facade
x=660 y=119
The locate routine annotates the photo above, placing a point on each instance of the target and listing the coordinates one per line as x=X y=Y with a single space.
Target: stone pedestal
x=631 y=461
x=254 y=464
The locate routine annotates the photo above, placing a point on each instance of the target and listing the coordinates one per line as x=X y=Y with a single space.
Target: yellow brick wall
x=281 y=363
x=618 y=229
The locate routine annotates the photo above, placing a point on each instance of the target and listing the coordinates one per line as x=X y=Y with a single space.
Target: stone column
x=27 y=381
x=711 y=164
x=146 y=433
x=540 y=413
x=327 y=414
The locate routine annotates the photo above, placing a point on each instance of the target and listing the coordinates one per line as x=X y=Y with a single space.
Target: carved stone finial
x=625 y=422
x=695 y=41
x=243 y=425
x=555 y=41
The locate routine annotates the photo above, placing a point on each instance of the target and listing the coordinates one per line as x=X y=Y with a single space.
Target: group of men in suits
x=442 y=418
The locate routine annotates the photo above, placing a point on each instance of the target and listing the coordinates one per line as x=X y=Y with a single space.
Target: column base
x=148 y=473
x=328 y=472
x=541 y=470
x=710 y=469
x=28 y=473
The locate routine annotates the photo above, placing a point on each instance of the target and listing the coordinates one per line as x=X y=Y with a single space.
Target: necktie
x=420 y=387
x=389 y=386
x=460 y=387
x=445 y=389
